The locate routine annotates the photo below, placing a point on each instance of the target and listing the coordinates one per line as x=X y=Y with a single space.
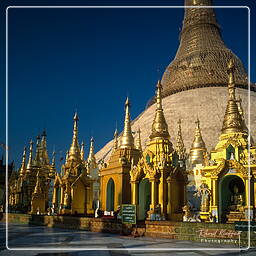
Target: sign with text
x=244 y=225
x=128 y=213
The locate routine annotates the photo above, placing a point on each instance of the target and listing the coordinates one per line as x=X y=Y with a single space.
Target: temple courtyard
x=64 y=242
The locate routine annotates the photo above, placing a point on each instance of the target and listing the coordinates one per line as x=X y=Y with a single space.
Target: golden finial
x=43 y=151
x=159 y=126
x=23 y=163
x=115 y=139
x=82 y=150
x=29 y=165
x=180 y=148
x=91 y=158
x=91 y=150
x=38 y=151
x=232 y=119
x=74 y=151
x=198 y=148
x=127 y=140
x=138 y=141
x=67 y=156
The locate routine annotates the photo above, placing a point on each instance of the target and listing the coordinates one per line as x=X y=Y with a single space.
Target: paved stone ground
x=57 y=241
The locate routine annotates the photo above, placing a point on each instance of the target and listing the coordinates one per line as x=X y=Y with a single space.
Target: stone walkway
x=63 y=242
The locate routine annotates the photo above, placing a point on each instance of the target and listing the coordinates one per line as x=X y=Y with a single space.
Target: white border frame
x=125 y=249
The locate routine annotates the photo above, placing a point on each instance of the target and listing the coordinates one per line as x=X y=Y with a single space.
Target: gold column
x=247 y=191
x=169 y=206
x=134 y=191
x=54 y=198
x=162 y=193
x=214 y=192
x=153 y=194
x=61 y=195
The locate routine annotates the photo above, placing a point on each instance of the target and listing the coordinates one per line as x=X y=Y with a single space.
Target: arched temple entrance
x=231 y=195
x=144 y=199
x=110 y=195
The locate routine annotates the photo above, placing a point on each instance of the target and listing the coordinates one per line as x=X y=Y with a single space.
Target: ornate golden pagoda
x=24 y=191
x=157 y=184
x=73 y=187
x=229 y=172
x=114 y=176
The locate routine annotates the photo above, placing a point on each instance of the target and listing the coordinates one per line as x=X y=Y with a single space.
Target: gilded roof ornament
x=198 y=149
x=38 y=189
x=30 y=158
x=23 y=163
x=138 y=141
x=82 y=151
x=38 y=151
x=44 y=155
x=115 y=140
x=159 y=126
x=180 y=147
x=91 y=156
x=232 y=119
x=74 y=151
x=127 y=140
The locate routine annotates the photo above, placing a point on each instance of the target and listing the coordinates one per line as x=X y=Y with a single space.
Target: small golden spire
x=38 y=151
x=138 y=141
x=180 y=147
x=30 y=159
x=53 y=168
x=23 y=163
x=232 y=119
x=127 y=140
x=67 y=156
x=198 y=148
x=91 y=150
x=44 y=153
x=74 y=151
x=159 y=126
x=91 y=158
x=115 y=140
x=82 y=150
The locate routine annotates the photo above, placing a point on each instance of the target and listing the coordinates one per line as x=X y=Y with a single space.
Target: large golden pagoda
x=194 y=82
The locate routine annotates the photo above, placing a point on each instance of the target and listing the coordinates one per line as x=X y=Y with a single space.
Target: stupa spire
x=38 y=151
x=115 y=140
x=198 y=149
x=180 y=147
x=138 y=141
x=23 y=163
x=30 y=158
x=82 y=151
x=159 y=126
x=74 y=151
x=127 y=140
x=232 y=119
x=91 y=151
x=44 y=154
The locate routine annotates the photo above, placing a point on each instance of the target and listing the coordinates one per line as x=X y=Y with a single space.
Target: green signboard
x=128 y=212
x=244 y=225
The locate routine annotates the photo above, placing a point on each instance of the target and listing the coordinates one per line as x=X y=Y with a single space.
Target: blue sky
x=61 y=60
